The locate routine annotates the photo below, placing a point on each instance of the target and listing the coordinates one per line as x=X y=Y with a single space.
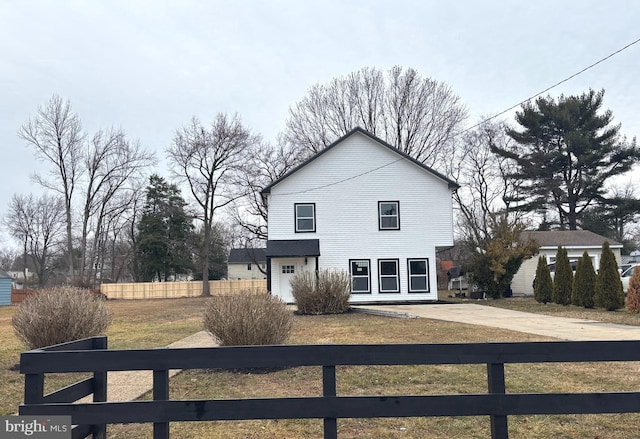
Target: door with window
x=286 y=269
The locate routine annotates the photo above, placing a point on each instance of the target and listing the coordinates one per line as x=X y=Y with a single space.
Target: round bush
x=248 y=318
x=326 y=292
x=58 y=315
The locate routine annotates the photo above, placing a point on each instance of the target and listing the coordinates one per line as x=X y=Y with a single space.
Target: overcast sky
x=149 y=66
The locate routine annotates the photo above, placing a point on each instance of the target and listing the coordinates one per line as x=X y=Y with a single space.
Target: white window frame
x=298 y=217
x=368 y=276
x=411 y=275
x=386 y=276
x=381 y=216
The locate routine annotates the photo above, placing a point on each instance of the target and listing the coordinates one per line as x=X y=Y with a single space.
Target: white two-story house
x=362 y=206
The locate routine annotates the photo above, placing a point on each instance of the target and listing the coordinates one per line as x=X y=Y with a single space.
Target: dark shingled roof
x=452 y=184
x=4 y=275
x=291 y=248
x=569 y=238
x=247 y=255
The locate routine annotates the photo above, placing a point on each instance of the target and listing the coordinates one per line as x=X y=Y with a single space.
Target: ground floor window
x=418 y=275
x=388 y=276
x=360 y=276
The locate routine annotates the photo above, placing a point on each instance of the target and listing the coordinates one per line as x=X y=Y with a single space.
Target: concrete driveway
x=473 y=314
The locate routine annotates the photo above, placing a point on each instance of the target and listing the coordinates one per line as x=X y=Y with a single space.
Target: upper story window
x=389 y=215
x=305 y=217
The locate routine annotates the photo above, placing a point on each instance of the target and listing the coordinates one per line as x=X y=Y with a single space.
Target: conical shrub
x=584 y=283
x=563 y=279
x=609 y=293
x=633 y=292
x=543 y=287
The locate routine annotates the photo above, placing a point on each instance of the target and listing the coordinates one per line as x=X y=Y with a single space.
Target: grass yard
x=145 y=324
x=528 y=304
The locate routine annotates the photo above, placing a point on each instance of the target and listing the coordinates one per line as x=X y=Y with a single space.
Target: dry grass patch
x=445 y=379
x=528 y=304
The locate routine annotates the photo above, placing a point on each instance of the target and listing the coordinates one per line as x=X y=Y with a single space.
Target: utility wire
x=547 y=89
x=479 y=123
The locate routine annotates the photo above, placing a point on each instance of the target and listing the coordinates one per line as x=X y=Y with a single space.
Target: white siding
x=346 y=184
x=240 y=271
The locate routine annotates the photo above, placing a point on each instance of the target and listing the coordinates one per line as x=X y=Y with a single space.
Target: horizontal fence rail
x=497 y=403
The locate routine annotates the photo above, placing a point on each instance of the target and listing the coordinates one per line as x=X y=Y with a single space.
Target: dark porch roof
x=291 y=248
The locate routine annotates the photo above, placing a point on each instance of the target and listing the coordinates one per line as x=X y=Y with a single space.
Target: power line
x=548 y=88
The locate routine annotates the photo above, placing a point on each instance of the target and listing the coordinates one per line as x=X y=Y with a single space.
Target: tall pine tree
x=164 y=233
x=565 y=153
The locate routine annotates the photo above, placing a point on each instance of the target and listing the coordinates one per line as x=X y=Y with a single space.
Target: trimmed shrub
x=633 y=293
x=563 y=279
x=609 y=293
x=251 y=317
x=543 y=287
x=584 y=284
x=327 y=292
x=58 y=315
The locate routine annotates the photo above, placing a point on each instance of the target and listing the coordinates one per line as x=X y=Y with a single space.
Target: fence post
x=100 y=389
x=160 y=393
x=33 y=388
x=495 y=378
x=329 y=389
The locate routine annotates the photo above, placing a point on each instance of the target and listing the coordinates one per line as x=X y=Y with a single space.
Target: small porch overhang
x=293 y=248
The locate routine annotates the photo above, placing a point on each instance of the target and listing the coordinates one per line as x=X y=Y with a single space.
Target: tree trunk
x=206 y=248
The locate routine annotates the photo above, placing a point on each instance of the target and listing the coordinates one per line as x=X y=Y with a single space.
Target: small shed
x=5 y=288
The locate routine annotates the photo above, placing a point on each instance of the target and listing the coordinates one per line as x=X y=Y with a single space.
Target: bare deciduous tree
x=485 y=187
x=112 y=165
x=264 y=165
x=207 y=159
x=56 y=134
x=88 y=173
x=38 y=224
x=416 y=114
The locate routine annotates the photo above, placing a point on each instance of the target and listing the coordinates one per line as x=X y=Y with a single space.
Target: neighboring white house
x=362 y=206
x=575 y=241
x=246 y=264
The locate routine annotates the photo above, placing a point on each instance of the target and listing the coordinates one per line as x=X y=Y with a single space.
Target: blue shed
x=5 y=288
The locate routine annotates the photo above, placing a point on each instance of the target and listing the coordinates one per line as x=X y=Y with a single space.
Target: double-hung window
x=388 y=276
x=418 y=275
x=389 y=215
x=305 y=217
x=360 y=276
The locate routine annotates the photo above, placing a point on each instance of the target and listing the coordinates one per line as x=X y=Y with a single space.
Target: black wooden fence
x=91 y=355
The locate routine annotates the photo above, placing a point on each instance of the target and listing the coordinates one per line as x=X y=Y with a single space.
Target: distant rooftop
x=247 y=255
x=569 y=238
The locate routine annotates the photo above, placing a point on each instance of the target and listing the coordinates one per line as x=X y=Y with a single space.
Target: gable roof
x=452 y=184
x=4 y=275
x=247 y=255
x=569 y=238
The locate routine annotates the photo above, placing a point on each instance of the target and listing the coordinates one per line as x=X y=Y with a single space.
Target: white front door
x=286 y=269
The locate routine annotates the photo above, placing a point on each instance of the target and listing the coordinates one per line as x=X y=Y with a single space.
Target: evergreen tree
x=584 y=284
x=543 y=287
x=565 y=154
x=633 y=293
x=609 y=293
x=563 y=279
x=164 y=232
